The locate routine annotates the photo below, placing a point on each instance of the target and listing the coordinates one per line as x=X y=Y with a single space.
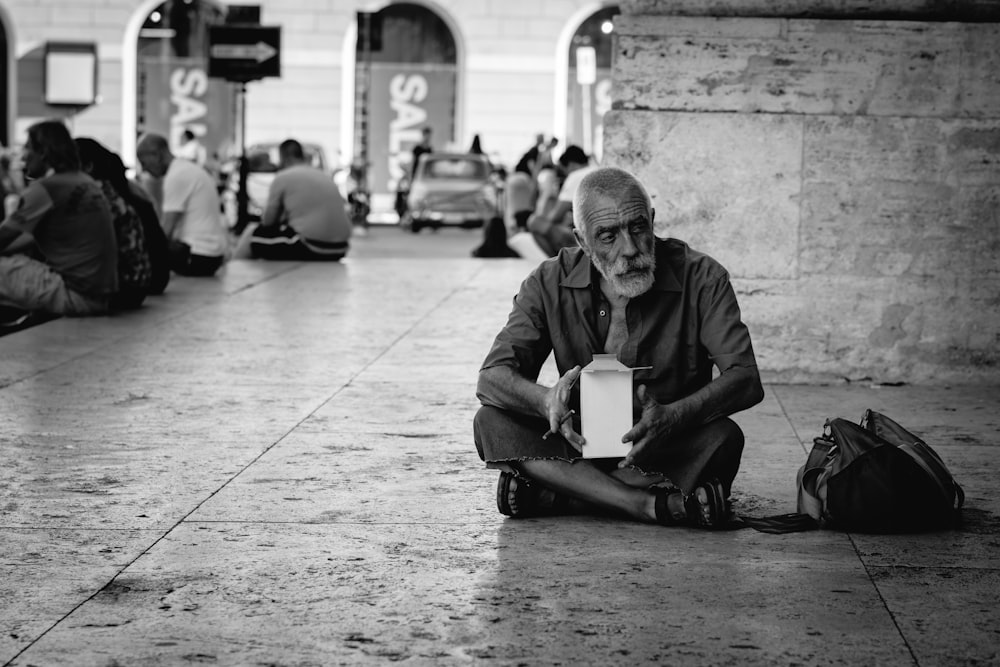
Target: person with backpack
x=61 y=256
x=135 y=270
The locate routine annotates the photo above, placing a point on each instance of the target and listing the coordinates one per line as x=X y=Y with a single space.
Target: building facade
x=842 y=160
x=504 y=71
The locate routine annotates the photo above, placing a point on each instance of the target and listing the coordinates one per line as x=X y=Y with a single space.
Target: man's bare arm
x=169 y=222
x=503 y=387
x=273 y=211
x=736 y=389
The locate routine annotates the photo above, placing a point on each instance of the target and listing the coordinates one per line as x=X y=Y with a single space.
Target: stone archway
x=412 y=83
x=8 y=79
x=166 y=88
x=586 y=103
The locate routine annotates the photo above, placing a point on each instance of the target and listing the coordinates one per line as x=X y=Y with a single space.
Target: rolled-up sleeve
x=722 y=331
x=524 y=343
x=34 y=204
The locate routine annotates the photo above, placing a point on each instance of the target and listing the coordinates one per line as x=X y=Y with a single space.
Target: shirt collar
x=583 y=274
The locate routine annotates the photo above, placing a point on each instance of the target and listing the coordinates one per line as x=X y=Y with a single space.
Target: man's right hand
x=557 y=408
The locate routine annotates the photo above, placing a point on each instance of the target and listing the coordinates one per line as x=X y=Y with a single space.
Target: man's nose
x=628 y=246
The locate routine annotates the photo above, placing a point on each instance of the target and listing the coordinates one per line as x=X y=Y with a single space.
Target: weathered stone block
x=910 y=10
x=847 y=172
x=806 y=66
x=899 y=197
x=725 y=183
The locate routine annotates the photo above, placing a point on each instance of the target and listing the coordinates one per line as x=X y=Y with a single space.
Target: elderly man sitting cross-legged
x=652 y=302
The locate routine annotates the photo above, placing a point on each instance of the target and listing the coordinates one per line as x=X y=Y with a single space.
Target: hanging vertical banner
x=600 y=103
x=403 y=99
x=176 y=94
x=586 y=65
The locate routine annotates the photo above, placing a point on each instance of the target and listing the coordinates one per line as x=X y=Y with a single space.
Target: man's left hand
x=656 y=423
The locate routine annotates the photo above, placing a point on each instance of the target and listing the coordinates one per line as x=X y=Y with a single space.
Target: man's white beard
x=628 y=278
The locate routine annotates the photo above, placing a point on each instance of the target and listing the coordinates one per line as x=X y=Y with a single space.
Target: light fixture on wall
x=70 y=73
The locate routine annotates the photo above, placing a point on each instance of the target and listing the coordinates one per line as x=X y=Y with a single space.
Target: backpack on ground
x=873 y=477
x=134 y=269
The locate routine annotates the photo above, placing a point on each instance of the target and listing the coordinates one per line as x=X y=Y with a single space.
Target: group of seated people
x=540 y=198
x=82 y=239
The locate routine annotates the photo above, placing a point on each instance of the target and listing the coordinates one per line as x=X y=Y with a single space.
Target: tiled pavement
x=275 y=467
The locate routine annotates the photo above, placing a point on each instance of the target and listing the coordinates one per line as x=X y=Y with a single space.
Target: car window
x=315 y=156
x=262 y=161
x=266 y=158
x=445 y=168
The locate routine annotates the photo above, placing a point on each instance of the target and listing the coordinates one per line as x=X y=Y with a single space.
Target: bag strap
x=811 y=480
x=780 y=524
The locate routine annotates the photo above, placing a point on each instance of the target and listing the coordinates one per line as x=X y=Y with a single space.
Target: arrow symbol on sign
x=260 y=51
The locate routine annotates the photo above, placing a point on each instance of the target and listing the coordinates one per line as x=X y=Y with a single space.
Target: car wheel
x=416 y=225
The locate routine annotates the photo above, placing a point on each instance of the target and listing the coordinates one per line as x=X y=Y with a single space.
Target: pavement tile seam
x=152 y=320
x=884 y=562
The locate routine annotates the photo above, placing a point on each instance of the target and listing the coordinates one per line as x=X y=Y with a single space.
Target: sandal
x=519 y=498
x=515 y=498
x=704 y=507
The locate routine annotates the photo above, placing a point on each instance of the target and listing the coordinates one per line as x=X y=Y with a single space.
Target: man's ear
x=581 y=240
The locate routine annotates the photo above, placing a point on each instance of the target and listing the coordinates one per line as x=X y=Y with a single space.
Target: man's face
x=34 y=163
x=619 y=241
x=152 y=162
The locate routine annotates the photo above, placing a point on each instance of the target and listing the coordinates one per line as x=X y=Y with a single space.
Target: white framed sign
x=71 y=73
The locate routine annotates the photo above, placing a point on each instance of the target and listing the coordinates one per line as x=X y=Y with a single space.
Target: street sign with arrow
x=244 y=53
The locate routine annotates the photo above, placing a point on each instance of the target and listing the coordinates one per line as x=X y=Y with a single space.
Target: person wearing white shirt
x=191 y=217
x=553 y=229
x=191 y=149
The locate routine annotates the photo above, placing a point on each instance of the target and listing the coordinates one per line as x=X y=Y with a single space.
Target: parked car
x=452 y=189
x=264 y=162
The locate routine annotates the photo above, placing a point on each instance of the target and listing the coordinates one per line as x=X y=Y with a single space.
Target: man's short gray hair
x=611 y=182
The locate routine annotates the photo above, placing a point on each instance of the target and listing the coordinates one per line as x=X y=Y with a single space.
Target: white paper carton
x=605 y=407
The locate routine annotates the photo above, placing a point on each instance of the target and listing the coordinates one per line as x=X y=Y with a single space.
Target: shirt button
x=604 y=313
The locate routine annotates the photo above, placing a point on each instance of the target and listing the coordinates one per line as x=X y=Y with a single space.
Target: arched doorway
x=588 y=95
x=7 y=79
x=172 y=89
x=408 y=80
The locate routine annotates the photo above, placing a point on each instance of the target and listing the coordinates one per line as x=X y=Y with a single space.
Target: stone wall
x=846 y=169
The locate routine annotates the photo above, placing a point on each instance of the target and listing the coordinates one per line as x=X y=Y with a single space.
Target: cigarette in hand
x=562 y=421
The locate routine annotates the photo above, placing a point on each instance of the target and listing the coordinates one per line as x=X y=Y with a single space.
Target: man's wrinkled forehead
x=607 y=210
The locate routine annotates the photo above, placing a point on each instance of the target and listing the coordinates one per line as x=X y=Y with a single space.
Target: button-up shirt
x=686 y=323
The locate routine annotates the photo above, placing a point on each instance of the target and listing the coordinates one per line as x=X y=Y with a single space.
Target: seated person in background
x=305 y=217
x=105 y=166
x=192 y=214
x=549 y=182
x=9 y=188
x=156 y=241
x=191 y=149
x=134 y=267
x=523 y=242
x=520 y=193
x=551 y=229
x=653 y=303
x=62 y=230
